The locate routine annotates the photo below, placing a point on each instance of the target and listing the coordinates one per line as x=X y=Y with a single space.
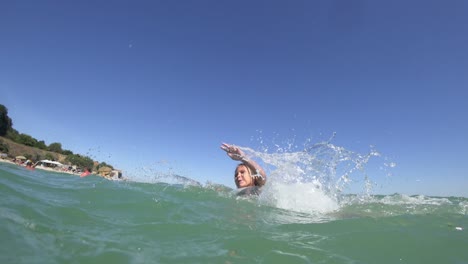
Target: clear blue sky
x=133 y=83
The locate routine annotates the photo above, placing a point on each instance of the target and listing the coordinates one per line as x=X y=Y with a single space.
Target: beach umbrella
x=21 y=157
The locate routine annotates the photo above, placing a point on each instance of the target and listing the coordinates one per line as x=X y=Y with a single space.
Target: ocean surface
x=48 y=217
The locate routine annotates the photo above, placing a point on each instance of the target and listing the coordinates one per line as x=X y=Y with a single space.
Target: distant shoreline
x=36 y=155
x=60 y=171
x=39 y=167
x=7 y=161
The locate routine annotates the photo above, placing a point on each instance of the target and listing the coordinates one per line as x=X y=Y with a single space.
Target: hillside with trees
x=13 y=143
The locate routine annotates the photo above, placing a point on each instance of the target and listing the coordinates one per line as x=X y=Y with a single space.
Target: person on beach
x=248 y=173
x=87 y=172
x=30 y=166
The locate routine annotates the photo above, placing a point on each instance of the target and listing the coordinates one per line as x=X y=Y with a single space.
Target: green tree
x=13 y=135
x=5 y=121
x=55 y=147
x=27 y=140
x=83 y=162
x=67 y=152
x=41 y=145
x=3 y=147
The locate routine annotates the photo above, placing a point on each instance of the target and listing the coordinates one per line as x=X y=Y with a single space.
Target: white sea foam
x=463 y=208
x=312 y=179
x=299 y=197
x=402 y=199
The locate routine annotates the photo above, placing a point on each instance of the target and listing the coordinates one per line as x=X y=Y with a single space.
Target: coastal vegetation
x=14 y=143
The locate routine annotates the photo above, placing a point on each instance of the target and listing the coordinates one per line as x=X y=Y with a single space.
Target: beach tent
x=49 y=163
x=52 y=162
x=21 y=158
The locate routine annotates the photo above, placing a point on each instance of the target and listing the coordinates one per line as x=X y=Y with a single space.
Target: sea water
x=302 y=216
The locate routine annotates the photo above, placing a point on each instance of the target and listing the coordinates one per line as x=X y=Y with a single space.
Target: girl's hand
x=232 y=151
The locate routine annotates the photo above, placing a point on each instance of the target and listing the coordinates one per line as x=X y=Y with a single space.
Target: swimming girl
x=248 y=173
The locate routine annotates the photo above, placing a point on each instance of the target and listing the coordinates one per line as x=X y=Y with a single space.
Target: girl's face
x=242 y=177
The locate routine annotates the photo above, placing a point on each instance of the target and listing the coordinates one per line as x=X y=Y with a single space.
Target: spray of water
x=161 y=172
x=312 y=179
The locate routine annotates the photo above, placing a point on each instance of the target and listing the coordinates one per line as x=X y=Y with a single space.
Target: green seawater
x=50 y=217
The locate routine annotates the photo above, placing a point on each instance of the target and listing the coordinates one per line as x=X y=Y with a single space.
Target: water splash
x=313 y=178
x=161 y=172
